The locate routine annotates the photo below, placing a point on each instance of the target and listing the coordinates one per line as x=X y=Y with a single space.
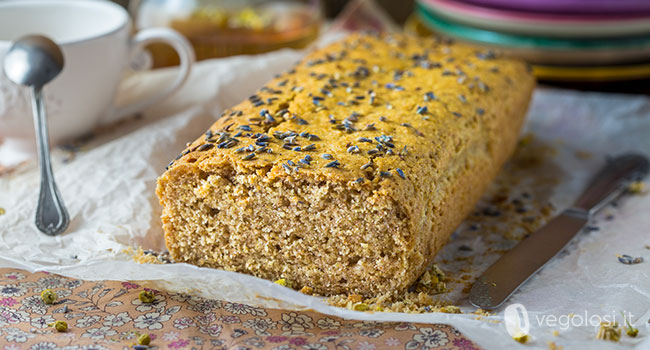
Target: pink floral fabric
x=109 y=315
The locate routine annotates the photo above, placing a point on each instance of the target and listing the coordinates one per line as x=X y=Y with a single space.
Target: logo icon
x=516 y=320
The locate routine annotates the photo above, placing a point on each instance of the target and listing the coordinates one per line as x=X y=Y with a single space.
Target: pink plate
x=601 y=7
x=540 y=24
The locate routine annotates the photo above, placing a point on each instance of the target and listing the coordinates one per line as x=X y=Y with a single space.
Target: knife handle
x=611 y=181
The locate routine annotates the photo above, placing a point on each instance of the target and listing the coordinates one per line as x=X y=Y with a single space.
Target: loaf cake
x=350 y=171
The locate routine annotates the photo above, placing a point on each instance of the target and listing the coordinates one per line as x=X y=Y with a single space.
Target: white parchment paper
x=108 y=186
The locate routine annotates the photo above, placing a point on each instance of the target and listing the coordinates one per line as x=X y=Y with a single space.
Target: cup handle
x=185 y=53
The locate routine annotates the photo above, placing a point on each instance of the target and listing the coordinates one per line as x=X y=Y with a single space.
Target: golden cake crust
x=390 y=140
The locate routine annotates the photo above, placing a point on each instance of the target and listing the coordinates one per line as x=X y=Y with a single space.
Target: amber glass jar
x=219 y=28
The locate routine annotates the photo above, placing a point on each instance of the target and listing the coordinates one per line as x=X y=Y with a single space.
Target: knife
x=515 y=267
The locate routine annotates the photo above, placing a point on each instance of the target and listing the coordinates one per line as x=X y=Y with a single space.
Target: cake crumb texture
x=350 y=171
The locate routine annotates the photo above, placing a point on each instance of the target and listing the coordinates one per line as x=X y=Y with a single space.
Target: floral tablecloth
x=109 y=315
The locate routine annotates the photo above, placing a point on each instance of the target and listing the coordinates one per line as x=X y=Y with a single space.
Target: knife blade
x=519 y=264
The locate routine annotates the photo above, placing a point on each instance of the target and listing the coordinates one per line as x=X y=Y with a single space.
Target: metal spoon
x=34 y=61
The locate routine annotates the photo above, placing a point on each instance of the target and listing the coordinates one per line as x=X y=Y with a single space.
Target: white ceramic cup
x=98 y=48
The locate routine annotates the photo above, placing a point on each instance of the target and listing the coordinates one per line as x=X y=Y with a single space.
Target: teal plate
x=525 y=42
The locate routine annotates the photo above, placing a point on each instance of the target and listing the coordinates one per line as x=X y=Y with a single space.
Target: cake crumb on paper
x=637 y=187
x=147 y=256
x=609 y=331
x=417 y=299
x=553 y=346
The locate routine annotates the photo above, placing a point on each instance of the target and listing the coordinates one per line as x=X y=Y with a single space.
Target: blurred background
x=587 y=44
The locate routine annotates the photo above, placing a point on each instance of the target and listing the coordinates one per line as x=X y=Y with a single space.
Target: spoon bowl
x=33 y=60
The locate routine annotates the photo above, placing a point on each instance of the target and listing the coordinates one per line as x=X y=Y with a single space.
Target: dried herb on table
x=628 y=260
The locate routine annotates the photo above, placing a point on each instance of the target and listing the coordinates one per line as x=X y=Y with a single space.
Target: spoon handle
x=51 y=215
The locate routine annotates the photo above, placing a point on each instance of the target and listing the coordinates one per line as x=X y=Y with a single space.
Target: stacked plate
x=578 y=40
